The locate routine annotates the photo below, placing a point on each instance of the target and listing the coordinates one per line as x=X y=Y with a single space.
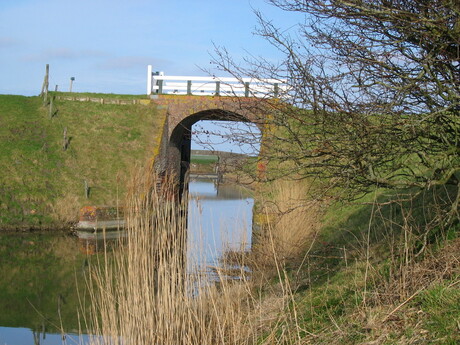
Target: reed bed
x=366 y=288
x=145 y=292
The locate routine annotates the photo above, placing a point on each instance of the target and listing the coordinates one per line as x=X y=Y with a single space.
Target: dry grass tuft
x=66 y=209
x=291 y=223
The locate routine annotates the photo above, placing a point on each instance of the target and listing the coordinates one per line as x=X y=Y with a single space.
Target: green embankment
x=204 y=159
x=42 y=185
x=383 y=269
x=379 y=270
x=230 y=164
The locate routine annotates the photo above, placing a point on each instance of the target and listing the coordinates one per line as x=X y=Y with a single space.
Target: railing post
x=246 y=89
x=160 y=86
x=217 y=88
x=276 y=90
x=189 y=87
x=149 y=80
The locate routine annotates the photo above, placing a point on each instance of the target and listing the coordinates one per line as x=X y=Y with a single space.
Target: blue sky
x=107 y=44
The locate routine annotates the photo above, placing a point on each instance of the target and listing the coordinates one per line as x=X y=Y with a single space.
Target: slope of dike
x=80 y=153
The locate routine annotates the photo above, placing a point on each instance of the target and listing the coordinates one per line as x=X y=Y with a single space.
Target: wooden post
x=276 y=90
x=160 y=87
x=45 y=84
x=51 y=111
x=217 y=88
x=87 y=189
x=65 y=143
x=189 y=87
x=246 y=89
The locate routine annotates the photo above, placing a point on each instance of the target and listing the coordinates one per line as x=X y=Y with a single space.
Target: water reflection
x=41 y=273
x=25 y=336
x=220 y=218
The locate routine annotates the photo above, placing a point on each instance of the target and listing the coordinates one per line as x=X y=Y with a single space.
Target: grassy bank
x=48 y=159
x=380 y=270
x=233 y=166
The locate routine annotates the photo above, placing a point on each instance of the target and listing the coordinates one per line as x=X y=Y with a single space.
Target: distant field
x=204 y=159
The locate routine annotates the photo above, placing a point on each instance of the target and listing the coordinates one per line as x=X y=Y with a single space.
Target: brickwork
x=212 y=107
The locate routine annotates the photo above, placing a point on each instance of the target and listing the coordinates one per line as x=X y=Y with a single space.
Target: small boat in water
x=100 y=218
x=99 y=226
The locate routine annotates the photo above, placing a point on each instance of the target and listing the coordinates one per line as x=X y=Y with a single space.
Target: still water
x=40 y=274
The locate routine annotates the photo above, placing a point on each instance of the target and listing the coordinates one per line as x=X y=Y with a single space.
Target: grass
x=375 y=271
x=42 y=185
x=204 y=159
x=99 y=95
x=366 y=266
x=441 y=304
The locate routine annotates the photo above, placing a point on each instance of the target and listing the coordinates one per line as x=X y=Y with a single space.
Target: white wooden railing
x=158 y=83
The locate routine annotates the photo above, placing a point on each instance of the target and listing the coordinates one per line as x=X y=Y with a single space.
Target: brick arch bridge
x=183 y=111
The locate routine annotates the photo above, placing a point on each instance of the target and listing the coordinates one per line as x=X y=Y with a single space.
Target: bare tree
x=374 y=89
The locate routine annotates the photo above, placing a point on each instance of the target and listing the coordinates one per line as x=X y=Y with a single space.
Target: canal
x=42 y=284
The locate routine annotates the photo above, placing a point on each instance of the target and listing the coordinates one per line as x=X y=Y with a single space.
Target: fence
x=158 y=83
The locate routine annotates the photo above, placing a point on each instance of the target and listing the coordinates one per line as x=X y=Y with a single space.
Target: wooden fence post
x=160 y=87
x=87 y=190
x=51 y=111
x=66 y=141
x=45 y=84
x=246 y=89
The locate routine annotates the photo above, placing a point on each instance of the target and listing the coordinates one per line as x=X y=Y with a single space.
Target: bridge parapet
x=158 y=84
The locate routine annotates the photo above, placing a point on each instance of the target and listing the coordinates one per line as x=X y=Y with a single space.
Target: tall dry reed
x=142 y=293
x=293 y=220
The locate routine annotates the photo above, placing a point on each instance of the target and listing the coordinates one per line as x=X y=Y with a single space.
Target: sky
x=106 y=45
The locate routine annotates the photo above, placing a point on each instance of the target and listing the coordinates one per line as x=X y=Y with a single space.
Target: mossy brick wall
x=211 y=107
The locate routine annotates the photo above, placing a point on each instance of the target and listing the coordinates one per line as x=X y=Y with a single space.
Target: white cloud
x=131 y=62
x=9 y=42
x=64 y=54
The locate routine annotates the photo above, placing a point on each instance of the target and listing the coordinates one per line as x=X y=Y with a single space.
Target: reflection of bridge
x=244 y=100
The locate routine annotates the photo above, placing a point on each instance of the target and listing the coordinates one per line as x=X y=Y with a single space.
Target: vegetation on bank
x=320 y=272
x=79 y=153
x=380 y=270
x=226 y=162
x=203 y=163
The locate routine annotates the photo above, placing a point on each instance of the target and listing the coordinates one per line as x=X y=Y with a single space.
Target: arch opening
x=216 y=130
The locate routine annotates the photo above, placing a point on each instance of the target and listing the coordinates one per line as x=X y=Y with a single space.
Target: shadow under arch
x=180 y=141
